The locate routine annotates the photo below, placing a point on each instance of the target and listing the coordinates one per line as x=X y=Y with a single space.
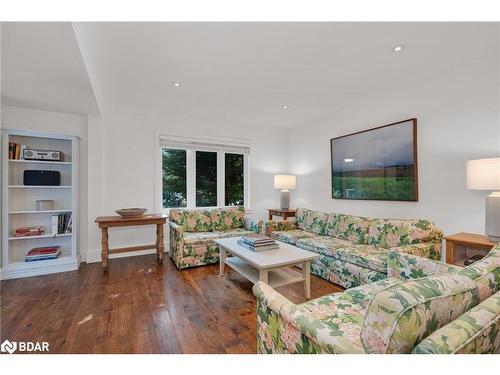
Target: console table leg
x=105 y=248
x=159 y=242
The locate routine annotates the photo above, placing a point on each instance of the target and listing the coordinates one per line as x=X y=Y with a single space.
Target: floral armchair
x=192 y=233
x=424 y=306
x=388 y=316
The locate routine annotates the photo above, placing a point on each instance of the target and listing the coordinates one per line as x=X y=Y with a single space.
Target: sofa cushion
x=290 y=236
x=311 y=221
x=191 y=238
x=475 y=332
x=348 y=275
x=371 y=257
x=192 y=220
x=227 y=218
x=393 y=233
x=485 y=273
x=237 y=232
x=343 y=318
x=349 y=227
x=403 y=314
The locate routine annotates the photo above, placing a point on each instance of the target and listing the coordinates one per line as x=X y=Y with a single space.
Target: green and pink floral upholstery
x=311 y=221
x=386 y=316
x=401 y=315
x=475 y=332
x=485 y=272
x=348 y=227
x=353 y=249
x=395 y=233
x=192 y=233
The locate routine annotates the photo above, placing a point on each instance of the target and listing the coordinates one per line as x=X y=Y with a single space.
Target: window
x=174 y=178
x=234 y=172
x=196 y=174
x=206 y=179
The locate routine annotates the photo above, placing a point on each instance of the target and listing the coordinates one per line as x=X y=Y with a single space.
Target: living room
x=250 y=187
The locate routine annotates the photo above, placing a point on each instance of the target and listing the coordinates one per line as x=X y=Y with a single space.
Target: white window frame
x=219 y=145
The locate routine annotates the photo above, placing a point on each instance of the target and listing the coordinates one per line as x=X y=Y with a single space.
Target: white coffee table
x=271 y=266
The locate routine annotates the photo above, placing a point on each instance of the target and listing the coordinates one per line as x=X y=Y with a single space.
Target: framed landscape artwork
x=376 y=164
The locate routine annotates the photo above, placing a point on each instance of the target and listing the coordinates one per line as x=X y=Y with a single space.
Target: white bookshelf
x=19 y=204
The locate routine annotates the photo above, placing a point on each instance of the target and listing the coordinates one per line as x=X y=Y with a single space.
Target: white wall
x=129 y=169
x=458 y=119
x=59 y=123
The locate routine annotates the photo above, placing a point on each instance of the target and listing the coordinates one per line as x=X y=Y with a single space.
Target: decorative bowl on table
x=127 y=213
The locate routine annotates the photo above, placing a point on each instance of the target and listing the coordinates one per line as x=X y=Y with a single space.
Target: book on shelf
x=16 y=151
x=29 y=231
x=62 y=223
x=43 y=253
x=258 y=248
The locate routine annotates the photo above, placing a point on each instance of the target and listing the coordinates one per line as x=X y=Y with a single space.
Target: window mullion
x=191 y=178
x=246 y=181
x=220 y=179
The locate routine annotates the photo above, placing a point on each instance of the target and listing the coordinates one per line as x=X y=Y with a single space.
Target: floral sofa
x=445 y=309
x=353 y=250
x=192 y=233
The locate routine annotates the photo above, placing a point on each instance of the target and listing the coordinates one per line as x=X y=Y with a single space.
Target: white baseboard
x=17 y=273
x=95 y=255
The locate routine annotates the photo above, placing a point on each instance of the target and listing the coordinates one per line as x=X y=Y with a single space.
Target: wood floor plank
x=138 y=306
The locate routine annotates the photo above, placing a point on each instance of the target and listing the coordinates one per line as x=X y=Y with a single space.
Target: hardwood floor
x=139 y=306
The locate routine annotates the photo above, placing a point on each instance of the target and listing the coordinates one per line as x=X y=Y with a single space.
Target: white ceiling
x=42 y=68
x=241 y=73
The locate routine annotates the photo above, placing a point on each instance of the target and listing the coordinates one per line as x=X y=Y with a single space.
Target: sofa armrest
x=256 y=226
x=403 y=265
x=279 y=225
x=284 y=327
x=176 y=240
x=430 y=250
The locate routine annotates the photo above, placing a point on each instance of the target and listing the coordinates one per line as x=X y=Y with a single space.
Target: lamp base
x=493 y=216
x=285 y=199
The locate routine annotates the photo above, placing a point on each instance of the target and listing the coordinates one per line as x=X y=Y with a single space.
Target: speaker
x=42 y=178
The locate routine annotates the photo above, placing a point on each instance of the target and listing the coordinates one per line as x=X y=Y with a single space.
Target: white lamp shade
x=285 y=181
x=483 y=174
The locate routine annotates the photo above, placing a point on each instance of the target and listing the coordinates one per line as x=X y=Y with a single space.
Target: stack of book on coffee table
x=258 y=242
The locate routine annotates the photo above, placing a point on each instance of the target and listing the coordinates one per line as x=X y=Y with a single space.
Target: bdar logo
x=9 y=347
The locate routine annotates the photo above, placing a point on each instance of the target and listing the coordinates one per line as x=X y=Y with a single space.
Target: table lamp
x=484 y=174
x=285 y=182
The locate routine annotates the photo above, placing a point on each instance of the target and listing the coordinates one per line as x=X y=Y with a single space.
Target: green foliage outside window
x=234 y=173
x=174 y=178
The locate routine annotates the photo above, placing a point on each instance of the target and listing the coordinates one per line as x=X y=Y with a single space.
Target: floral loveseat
x=192 y=233
x=353 y=250
x=444 y=310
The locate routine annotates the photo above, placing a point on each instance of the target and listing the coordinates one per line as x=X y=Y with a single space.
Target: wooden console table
x=461 y=245
x=106 y=222
x=285 y=214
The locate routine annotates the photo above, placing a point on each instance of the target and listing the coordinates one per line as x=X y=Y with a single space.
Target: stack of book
x=16 y=151
x=43 y=253
x=29 y=231
x=61 y=223
x=258 y=242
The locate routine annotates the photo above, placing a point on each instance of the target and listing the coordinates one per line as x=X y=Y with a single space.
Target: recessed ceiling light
x=284 y=107
x=398 y=48
x=176 y=84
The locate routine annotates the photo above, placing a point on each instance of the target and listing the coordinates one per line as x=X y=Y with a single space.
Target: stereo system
x=41 y=178
x=30 y=154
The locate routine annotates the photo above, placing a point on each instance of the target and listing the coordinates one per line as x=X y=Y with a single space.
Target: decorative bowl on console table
x=127 y=213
